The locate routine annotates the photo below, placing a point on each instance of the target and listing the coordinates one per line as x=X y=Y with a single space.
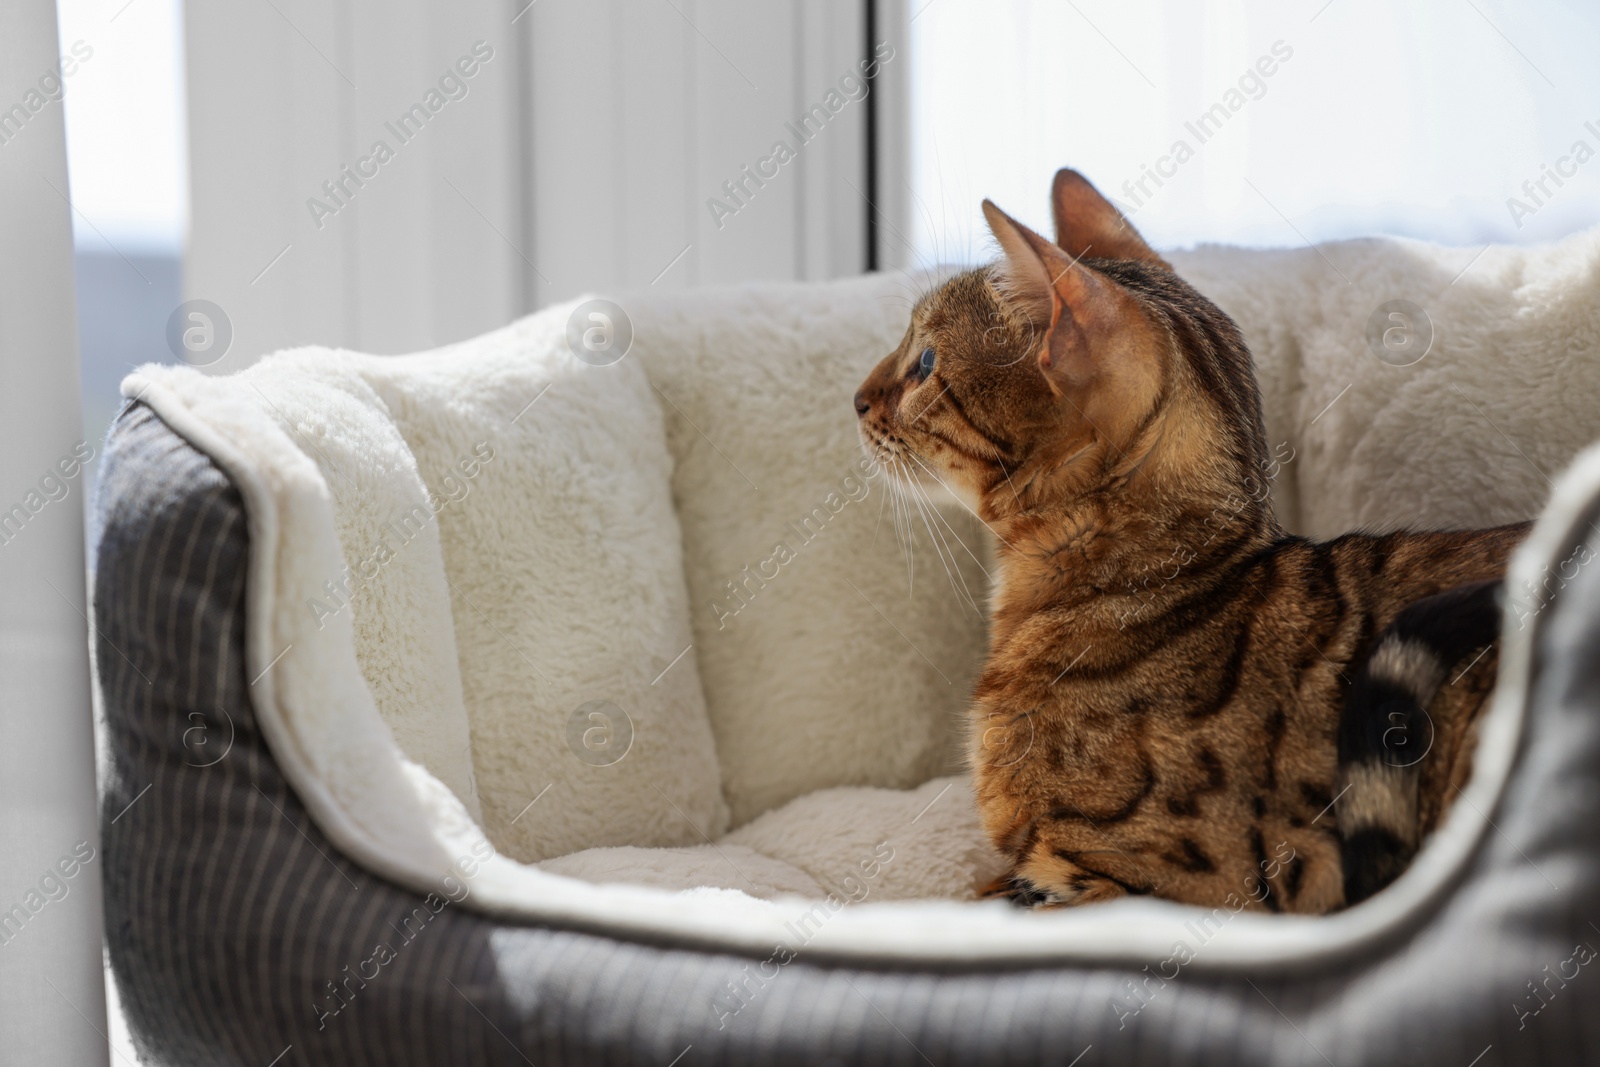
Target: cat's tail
x=1385 y=732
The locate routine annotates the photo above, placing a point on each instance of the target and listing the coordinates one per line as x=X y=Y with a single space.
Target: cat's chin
x=943 y=494
x=930 y=488
x=911 y=478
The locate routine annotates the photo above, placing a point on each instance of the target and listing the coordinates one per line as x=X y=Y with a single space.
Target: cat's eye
x=925 y=364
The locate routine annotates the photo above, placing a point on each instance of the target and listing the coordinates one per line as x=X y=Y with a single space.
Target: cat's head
x=1066 y=369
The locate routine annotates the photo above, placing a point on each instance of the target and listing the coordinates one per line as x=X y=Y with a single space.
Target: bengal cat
x=1160 y=711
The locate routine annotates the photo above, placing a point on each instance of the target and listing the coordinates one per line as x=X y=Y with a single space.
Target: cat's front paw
x=1020 y=892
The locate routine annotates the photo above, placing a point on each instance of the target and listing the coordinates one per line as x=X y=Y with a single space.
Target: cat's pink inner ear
x=1078 y=298
x=1087 y=224
x=1067 y=299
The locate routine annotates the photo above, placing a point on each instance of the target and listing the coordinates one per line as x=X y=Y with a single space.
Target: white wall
x=582 y=158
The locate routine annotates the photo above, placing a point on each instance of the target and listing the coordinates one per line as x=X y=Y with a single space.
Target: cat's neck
x=1104 y=560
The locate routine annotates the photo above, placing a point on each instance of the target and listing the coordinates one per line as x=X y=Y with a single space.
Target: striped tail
x=1385 y=731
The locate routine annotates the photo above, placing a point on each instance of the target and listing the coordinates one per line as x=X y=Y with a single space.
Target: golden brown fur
x=1160 y=703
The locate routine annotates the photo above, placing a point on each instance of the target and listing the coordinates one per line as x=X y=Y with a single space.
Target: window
x=1458 y=121
x=127 y=169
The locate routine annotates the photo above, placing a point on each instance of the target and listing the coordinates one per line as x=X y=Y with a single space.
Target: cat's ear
x=1087 y=224
x=1061 y=295
x=1024 y=278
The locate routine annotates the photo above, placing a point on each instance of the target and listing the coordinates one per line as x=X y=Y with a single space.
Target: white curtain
x=52 y=1000
x=1325 y=119
x=596 y=150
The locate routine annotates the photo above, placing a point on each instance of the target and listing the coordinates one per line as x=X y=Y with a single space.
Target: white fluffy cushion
x=857 y=843
x=1473 y=433
x=828 y=661
x=508 y=565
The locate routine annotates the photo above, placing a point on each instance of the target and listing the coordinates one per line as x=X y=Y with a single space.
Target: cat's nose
x=862 y=405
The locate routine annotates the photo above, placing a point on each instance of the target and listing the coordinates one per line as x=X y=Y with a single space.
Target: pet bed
x=499 y=705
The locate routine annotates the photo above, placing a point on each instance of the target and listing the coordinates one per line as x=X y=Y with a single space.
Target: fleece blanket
x=647 y=623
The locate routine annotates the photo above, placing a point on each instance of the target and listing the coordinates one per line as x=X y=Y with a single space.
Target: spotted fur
x=1160 y=708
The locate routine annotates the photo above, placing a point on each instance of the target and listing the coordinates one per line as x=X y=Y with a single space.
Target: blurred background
x=229 y=153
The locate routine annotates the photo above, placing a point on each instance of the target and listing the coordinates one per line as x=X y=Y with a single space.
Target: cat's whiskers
x=907 y=492
x=910 y=535
x=913 y=502
x=950 y=529
x=882 y=499
x=932 y=520
x=955 y=495
x=919 y=500
x=897 y=510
